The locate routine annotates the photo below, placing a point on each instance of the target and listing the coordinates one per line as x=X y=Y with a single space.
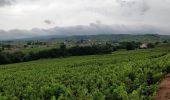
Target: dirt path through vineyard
x=164 y=89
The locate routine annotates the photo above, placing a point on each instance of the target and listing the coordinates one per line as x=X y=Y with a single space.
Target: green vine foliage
x=122 y=75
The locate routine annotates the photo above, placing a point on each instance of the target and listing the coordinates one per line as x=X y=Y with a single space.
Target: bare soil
x=164 y=89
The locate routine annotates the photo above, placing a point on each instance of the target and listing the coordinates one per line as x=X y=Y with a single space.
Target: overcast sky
x=46 y=14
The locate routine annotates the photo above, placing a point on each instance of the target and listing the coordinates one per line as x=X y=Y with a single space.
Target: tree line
x=18 y=56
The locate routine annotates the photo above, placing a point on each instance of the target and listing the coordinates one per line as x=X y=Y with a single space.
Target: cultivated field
x=123 y=75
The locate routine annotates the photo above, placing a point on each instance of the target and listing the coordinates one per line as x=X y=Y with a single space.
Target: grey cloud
x=48 y=22
x=141 y=6
x=76 y=12
x=91 y=29
x=144 y=7
x=124 y=3
x=6 y=2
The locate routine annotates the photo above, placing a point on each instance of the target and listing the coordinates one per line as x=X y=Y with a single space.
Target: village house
x=143 y=46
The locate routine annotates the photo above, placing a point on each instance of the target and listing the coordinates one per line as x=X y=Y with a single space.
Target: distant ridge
x=105 y=37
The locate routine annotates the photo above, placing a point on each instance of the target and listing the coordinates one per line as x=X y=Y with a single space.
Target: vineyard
x=122 y=75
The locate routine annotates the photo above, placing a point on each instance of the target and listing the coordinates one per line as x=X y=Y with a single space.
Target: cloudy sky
x=31 y=15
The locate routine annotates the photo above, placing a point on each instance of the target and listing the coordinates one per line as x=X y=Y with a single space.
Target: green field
x=122 y=75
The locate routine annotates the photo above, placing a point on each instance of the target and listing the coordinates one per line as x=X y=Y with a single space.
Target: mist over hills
x=92 y=29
